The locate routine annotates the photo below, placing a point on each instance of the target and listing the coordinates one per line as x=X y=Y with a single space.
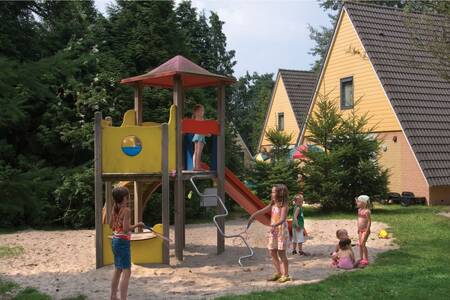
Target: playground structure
x=146 y=155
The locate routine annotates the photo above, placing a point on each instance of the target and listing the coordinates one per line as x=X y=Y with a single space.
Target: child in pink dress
x=345 y=256
x=278 y=238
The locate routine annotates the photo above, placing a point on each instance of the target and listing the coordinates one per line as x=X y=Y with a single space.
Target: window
x=280 y=124
x=347 y=93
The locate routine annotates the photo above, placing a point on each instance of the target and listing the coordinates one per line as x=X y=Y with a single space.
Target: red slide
x=244 y=197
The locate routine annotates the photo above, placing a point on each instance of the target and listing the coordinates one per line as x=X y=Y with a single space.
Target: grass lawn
x=420 y=269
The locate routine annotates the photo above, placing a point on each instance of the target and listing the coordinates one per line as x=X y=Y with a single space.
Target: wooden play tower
x=147 y=155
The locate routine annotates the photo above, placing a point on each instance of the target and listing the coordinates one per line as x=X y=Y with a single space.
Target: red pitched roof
x=191 y=74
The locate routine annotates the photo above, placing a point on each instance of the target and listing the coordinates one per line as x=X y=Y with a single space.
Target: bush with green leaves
x=349 y=165
x=75 y=198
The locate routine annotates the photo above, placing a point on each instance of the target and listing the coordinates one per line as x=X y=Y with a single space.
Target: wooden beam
x=221 y=165
x=179 y=191
x=108 y=200
x=138 y=210
x=138 y=204
x=165 y=190
x=138 y=91
x=98 y=190
x=130 y=176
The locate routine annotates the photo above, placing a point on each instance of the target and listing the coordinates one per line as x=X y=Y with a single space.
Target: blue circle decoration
x=131 y=145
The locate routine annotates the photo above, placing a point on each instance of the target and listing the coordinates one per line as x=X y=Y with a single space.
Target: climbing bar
x=239 y=235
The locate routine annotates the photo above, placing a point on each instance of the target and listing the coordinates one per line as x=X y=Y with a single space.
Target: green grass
x=7 y=287
x=420 y=269
x=12 y=291
x=31 y=294
x=10 y=251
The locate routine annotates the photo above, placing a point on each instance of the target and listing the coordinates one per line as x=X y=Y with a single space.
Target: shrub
x=75 y=198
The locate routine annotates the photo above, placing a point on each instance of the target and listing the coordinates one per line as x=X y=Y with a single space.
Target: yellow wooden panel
x=129 y=118
x=347 y=58
x=142 y=252
x=281 y=103
x=114 y=160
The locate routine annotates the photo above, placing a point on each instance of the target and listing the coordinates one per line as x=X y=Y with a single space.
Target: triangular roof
x=300 y=89
x=419 y=95
x=192 y=75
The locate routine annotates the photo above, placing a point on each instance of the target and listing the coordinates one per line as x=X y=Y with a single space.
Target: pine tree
x=280 y=169
x=348 y=164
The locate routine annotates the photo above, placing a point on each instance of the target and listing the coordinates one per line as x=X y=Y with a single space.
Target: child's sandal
x=284 y=279
x=363 y=263
x=275 y=277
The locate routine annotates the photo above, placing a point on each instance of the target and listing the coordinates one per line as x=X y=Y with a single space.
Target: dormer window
x=280 y=124
x=347 y=93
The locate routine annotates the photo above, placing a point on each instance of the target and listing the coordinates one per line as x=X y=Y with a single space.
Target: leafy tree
x=348 y=166
x=61 y=62
x=248 y=106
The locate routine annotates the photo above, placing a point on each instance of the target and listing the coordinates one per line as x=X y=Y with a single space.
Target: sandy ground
x=445 y=214
x=62 y=263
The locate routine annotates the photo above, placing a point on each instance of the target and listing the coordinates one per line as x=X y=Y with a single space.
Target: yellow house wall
x=390 y=158
x=347 y=59
x=281 y=103
x=405 y=173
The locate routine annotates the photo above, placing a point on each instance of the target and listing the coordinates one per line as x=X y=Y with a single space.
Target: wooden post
x=221 y=165
x=138 y=91
x=179 y=193
x=138 y=186
x=98 y=190
x=182 y=192
x=165 y=190
x=108 y=200
x=138 y=203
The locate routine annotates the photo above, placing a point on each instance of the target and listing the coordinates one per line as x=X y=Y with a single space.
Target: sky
x=267 y=35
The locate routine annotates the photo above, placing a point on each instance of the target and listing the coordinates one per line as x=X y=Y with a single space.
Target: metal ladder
x=239 y=235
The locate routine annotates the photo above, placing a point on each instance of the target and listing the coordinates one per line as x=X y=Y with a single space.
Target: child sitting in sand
x=345 y=256
x=120 y=225
x=198 y=139
x=298 y=226
x=341 y=234
x=279 y=233
x=364 y=222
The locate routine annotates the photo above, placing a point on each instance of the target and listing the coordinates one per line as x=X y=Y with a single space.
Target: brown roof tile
x=419 y=95
x=300 y=87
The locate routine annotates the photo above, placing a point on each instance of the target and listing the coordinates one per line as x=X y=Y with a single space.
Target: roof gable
x=299 y=86
x=419 y=95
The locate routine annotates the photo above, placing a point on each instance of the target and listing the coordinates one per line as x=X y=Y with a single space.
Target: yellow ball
x=383 y=234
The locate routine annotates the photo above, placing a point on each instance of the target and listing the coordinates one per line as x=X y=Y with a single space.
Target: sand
x=444 y=214
x=62 y=263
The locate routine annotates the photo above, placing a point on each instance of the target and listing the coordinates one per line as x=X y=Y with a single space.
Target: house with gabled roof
x=379 y=55
x=289 y=104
